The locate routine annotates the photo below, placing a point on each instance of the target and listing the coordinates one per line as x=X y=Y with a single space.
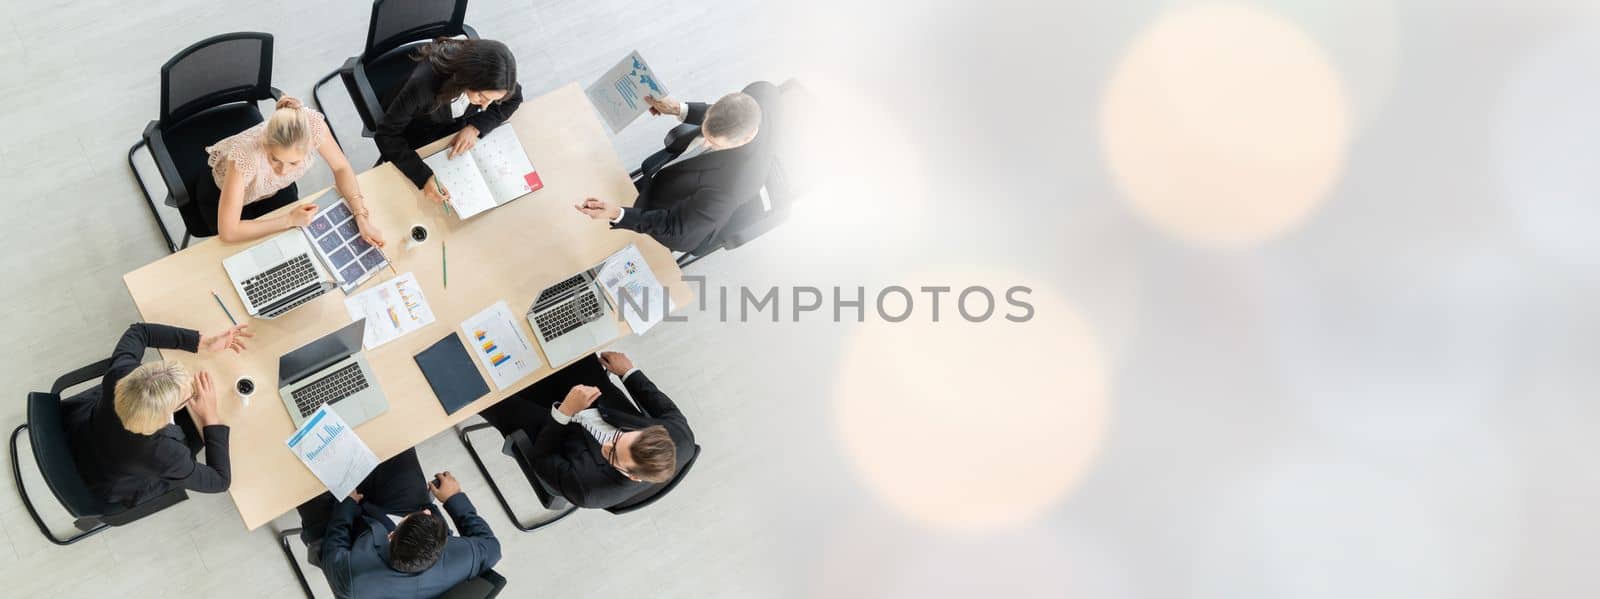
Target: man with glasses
x=591 y=445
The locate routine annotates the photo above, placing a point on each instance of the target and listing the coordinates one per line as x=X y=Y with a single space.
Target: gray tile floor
x=78 y=81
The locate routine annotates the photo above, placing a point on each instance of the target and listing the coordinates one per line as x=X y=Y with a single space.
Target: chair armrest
x=176 y=187
x=277 y=94
x=468 y=31
x=150 y=506
x=80 y=376
x=748 y=233
x=354 y=75
x=522 y=453
x=678 y=138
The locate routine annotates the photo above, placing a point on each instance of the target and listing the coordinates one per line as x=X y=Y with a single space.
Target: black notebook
x=451 y=373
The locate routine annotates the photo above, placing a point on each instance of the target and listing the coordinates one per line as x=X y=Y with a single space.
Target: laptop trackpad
x=266 y=254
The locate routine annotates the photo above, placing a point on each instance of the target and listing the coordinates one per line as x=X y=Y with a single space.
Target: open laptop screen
x=312 y=357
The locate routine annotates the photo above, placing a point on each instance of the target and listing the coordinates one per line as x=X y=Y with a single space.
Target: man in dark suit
x=684 y=203
x=387 y=538
x=591 y=446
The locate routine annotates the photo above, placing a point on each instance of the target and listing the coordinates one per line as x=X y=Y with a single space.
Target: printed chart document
x=499 y=345
x=392 y=309
x=333 y=452
x=619 y=94
x=641 y=299
x=492 y=173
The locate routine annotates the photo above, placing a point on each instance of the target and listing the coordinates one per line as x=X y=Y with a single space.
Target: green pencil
x=444 y=263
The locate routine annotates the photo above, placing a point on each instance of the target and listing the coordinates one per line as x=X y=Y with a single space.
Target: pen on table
x=439 y=187
x=444 y=264
x=386 y=259
x=224 y=307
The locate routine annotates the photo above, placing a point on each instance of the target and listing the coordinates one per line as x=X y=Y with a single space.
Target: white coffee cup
x=416 y=235
x=245 y=387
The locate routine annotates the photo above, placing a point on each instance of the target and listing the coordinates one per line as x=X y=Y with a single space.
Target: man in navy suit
x=388 y=539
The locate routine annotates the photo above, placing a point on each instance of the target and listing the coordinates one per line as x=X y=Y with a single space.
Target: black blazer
x=568 y=458
x=126 y=468
x=412 y=120
x=684 y=203
x=355 y=553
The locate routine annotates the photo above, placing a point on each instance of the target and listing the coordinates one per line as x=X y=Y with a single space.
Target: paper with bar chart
x=619 y=94
x=500 y=346
x=333 y=452
x=392 y=309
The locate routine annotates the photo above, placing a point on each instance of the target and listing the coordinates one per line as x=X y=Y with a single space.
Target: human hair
x=469 y=65
x=655 y=456
x=146 y=398
x=288 y=128
x=736 y=117
x=418 y=542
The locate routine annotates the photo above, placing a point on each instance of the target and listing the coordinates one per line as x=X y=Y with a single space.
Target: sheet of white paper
x=392 y=309
x=619 y=94
x=504 y=164
x=333 y=452
x=635 y=290
x=469 y=194
x=497 y=341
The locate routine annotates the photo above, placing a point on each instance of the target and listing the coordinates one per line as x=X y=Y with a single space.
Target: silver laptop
x=333 y=371
x=278 y=275
x=571 y=318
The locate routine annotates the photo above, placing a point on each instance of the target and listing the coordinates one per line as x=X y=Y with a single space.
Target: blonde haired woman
x=133 y=440
x=254 y=171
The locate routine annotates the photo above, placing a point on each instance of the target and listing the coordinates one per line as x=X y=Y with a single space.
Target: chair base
x=462 y=433
x=171 y=247
x=95 y=527
x=288 y=553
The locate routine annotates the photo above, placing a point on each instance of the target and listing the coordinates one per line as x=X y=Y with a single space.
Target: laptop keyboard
x=342 y=383
x=580 y=310
x=557 y=290
x=279 y=280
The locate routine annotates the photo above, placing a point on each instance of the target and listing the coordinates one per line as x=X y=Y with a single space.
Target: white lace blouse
x=249 y=158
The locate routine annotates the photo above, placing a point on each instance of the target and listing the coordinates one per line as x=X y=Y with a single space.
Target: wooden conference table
x=509 y=253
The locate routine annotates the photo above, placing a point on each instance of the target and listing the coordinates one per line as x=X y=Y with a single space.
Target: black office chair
x=758 y=214
x=485 y=586
x=208 y=91
x=520 y=448
x=397 y=26
x=47 y=435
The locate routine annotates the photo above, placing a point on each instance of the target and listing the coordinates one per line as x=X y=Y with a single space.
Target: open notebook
x=492 y=173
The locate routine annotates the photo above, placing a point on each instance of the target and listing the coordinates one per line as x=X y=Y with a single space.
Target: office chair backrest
x=484 y=586
x=396 y=23
x=655 y=492
x=216 y=71
x=47 y=434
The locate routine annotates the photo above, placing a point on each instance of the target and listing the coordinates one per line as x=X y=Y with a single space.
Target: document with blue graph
x=333 y=452
x=619 y=94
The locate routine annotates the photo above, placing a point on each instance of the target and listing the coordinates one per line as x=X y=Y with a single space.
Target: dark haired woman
x=465 y=87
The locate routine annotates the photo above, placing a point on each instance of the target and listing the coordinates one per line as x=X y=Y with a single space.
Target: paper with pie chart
x=392 y=309
x=500 y=346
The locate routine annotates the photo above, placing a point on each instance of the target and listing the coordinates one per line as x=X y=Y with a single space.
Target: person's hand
x=369 y=231
x=301 y=215
x=356 y=495
x=289 y=102
x=579 y=399
x=617 y=362
x=226 y=339
x=445 y=488
x=435 y=191
x=599 y=209
x=204 y=404
x=465 y=139
x=667 y=106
